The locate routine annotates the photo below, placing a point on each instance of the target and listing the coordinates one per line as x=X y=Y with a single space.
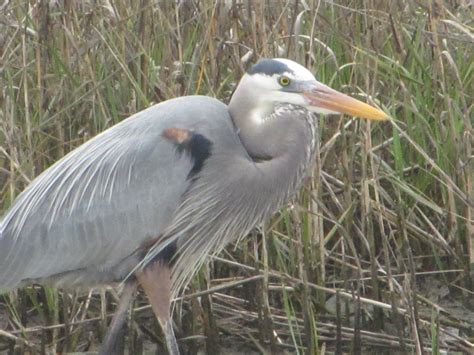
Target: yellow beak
x=323 y=97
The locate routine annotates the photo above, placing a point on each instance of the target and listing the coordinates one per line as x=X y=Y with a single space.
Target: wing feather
x=99 y=203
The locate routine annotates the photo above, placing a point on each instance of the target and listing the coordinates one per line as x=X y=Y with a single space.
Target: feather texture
x=87 y=219
x=85 y=216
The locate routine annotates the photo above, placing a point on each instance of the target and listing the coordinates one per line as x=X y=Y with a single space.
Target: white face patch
x=296 y=72
x=266 y=82
x=299 y=71
x=265 y=90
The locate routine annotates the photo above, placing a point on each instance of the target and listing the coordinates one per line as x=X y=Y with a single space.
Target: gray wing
x=98 y=204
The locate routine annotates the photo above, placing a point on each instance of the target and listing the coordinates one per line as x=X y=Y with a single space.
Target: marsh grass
x=377 y=251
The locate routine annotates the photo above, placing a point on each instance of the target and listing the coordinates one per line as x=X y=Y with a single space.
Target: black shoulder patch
x=269 y=67
x=197 y=146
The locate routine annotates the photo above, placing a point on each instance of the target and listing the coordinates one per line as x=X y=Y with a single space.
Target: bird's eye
x=284 y=81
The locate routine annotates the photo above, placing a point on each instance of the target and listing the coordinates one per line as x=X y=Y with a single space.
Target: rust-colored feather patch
x=177 y=135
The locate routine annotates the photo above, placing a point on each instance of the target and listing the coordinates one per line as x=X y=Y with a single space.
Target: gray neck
x=250 y=190
x=282 y=143
x=217 y=211
x=290 y=151
x=269 y=130
x=262 y=136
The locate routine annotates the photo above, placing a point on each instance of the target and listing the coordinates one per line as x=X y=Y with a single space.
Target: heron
x=147 y=200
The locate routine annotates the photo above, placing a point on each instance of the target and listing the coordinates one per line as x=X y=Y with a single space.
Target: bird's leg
x=119 y=318
x=156 y=282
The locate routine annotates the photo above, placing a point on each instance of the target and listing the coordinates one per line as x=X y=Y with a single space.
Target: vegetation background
x=376 y=253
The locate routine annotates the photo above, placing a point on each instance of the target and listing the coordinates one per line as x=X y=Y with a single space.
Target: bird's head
x=280 y=81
